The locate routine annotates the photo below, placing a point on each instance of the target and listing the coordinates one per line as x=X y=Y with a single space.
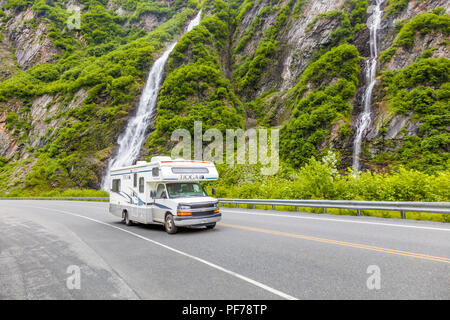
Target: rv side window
x=160 y=191
x=135 y=180
x=155 y=172
x=116 y=185
x=141 y=185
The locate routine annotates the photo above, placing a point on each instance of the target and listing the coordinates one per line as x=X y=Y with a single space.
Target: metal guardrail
x=403 y=207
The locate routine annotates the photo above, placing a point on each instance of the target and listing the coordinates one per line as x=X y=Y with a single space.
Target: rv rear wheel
x=128 y=222
x=171 y=228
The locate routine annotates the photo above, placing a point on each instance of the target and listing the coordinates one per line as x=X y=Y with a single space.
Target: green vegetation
x=421 y=90
x=423 y=23
x=109 y=68
x=245 y=7
x=223 y=73
x=436 y=21
x=17 y=4
x=424 y=88
x=321 y=180
x=65 y=193
x=251 y=70
x=248 y=73
x=195 y=89
x=298 y=7
x=194 y=92
x=311 y=118
x=394 y=7
x=252 y=29
x=349 y=23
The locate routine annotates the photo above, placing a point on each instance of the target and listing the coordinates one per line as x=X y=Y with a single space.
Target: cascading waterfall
x=131 y=141
x=371 y=68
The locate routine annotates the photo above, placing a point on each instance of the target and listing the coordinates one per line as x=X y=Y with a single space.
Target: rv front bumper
x=184 y=221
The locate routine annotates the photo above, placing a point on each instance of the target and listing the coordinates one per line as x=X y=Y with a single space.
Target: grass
x=67 y=193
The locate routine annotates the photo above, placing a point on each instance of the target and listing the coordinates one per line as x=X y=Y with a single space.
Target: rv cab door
x=161 y=205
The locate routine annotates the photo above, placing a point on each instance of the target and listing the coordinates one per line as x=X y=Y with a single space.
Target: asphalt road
x=77 y=250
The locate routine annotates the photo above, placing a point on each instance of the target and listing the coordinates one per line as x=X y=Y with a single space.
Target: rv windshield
x=189 y=189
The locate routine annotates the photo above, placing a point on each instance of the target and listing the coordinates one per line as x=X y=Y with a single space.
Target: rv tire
x=169 y=224
x=128 y=222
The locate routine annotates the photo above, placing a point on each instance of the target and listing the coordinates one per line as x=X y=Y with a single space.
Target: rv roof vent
x=140 y=162
x=160 y=158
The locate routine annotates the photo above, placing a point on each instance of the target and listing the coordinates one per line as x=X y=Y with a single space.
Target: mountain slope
x=294 y=64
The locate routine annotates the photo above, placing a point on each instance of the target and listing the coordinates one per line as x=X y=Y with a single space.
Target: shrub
x=423 y=23
x=320 y=180
x=423 y=87
x=394 y=7
x=309 y=124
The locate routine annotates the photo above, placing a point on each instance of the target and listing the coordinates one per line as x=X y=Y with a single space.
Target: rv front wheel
x=171 y=228
x=128 y=222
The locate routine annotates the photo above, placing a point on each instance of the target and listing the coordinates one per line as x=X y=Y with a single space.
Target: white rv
x=164 y=191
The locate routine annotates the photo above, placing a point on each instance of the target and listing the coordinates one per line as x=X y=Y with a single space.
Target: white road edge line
x=215 y=266
x=331 y=219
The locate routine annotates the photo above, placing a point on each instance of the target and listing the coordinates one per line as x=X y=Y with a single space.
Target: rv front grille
x=203 y=205
x=202 y=213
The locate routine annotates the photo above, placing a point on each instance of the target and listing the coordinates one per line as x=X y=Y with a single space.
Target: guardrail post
x=324 y=210
x=237 y=205
x=403 y=214
x=273 y=207
x=358 y=212
x=254 y=206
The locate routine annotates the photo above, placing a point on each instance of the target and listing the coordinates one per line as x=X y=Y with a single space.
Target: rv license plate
x=205 y=220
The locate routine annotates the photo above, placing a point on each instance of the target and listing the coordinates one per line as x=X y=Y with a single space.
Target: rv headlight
x=184 y=207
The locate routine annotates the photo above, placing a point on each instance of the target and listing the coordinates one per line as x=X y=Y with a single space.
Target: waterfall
x=131 y=141
x=371 y=68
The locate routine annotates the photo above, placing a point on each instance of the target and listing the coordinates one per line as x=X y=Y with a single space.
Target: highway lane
x=252 y=254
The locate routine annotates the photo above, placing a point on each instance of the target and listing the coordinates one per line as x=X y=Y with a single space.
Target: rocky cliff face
x=304 y=36
x=66 y=93
x=30 y=42
x=297 y=41
x=299 y=65
x=389 y=129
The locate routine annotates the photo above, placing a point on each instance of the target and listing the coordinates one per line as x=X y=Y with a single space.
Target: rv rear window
x=190 y=170
x=116 y=185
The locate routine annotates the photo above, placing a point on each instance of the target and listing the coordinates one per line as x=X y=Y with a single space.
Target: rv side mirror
x=213 y=191
x=153 y=194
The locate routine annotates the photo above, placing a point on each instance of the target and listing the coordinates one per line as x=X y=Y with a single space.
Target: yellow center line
x=341 y=243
